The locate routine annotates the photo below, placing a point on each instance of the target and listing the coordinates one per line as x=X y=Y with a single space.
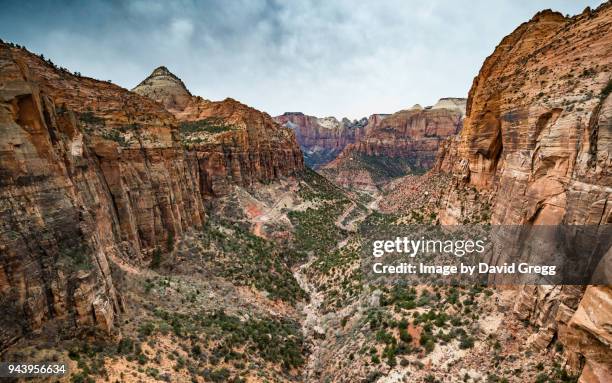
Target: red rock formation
x=447 y=156
x=322 y=139
x=402 y=143
x=537 y=139
x=232 y=142
x=412 y=134
x=92 y=174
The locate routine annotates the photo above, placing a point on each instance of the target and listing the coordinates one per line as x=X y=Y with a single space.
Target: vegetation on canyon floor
x=130 y=272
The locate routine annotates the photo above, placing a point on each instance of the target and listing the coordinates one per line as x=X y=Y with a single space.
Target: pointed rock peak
x=547 y=15
x=163 y=74
x=161 y=71
x=166 y=88
x=416 y=107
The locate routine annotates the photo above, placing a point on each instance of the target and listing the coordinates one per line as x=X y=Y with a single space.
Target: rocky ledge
x=93 y=175
x=537 y=143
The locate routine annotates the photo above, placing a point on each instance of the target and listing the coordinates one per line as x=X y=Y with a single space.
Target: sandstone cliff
x=536 y=141
x=232 y=142
x=94 y=175
x=402 y=143
x=322 y=139
x=412 y=134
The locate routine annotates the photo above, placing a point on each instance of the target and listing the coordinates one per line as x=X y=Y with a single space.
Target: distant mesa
x=452 y=103
x=324 y=139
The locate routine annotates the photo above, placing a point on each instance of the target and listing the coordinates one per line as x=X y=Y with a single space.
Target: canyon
x=408 y=134
x=93 y=173
x=153 y=234
x=322 y=139
x=405 y=142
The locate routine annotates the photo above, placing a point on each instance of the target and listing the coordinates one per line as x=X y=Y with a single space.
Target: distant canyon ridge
x=97 y=182
x=323 y=139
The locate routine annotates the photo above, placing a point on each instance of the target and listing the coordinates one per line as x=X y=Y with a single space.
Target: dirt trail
x=313 y=326
x=374 y=204
x=340 y=221
x=311 y=323
x=363 y=214
x=260 y=215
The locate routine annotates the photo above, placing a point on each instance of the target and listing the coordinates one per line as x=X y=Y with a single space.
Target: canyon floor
x=155 y=235
x=273 y=292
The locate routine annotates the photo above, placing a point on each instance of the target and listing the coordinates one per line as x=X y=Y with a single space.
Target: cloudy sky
x=342 y=58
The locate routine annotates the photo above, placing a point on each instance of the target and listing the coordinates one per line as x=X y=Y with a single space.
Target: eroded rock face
x=413 y=134
x=322 y=139
x=163 y=86
x=230 y=142
x=451 y=103
x=536 y=139
x=93 y=175
x=402 y=143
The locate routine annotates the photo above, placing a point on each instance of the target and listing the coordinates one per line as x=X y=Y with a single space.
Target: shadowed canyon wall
x=92 y=175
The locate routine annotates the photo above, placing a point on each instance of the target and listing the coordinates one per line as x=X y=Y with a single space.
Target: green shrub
x=405 y=336
x=156 y=259
x=89 y=117
x=210 y=125
x=466 y=342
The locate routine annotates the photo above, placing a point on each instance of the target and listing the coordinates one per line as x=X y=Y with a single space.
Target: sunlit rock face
x=537 y=140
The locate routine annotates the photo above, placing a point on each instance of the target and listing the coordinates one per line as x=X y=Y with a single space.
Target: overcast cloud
x=342 y=58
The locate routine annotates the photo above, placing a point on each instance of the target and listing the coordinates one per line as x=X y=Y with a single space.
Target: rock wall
x=93 y=175
x=237 y=144
x=257 y=149
x=536 y=139
x=403 y=143
x=414 y=134
x=322 y=139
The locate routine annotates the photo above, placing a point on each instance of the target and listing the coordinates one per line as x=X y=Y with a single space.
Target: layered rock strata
x=93 y=175
x=537 y=141
x=412 y=134
x=322 y=139
x=232 y=142
x=402 y=143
